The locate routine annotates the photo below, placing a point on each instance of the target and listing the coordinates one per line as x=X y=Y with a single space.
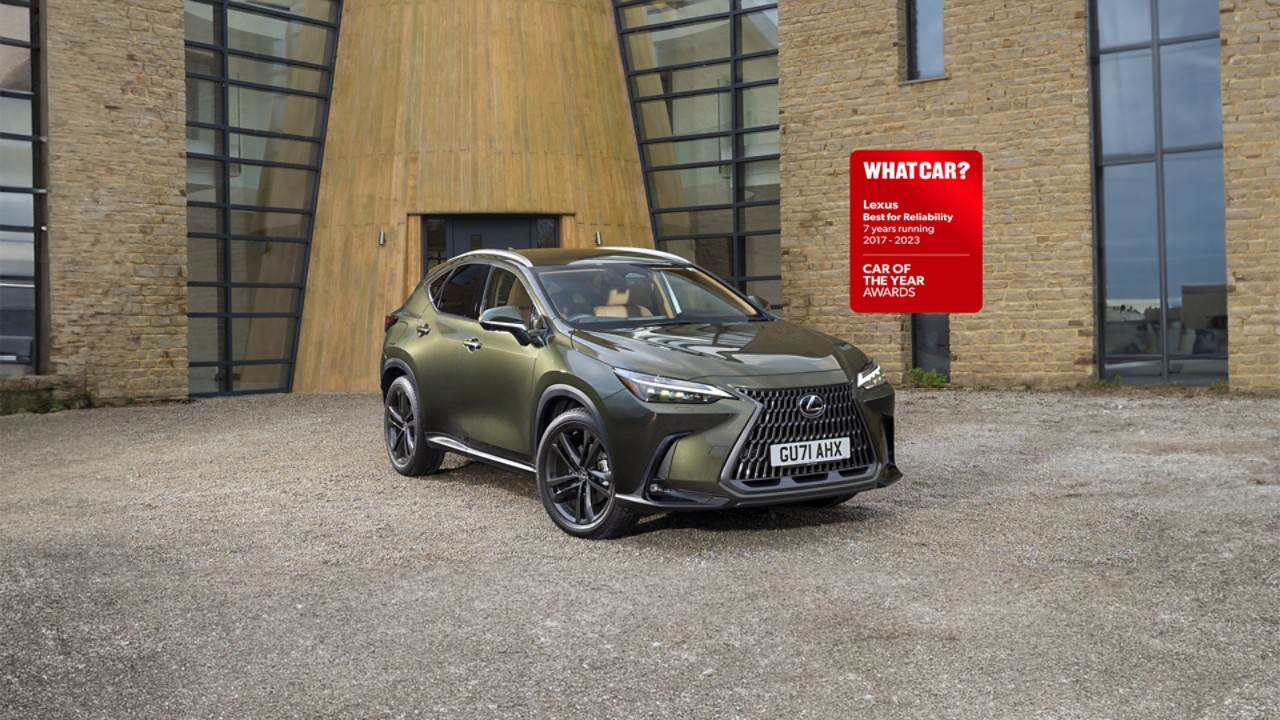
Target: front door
x=445 y=237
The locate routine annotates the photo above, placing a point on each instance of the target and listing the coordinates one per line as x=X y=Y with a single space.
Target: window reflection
x=1195 y=252
x=690 y=187
x=1191 y=93
x=1130 y=253
x=18 y=208
x=703 y=77
x=678 y=45
x=1171 y=325
x=713 y=189
x=1125 y=103
x=1179 y=18
x=925 y=39
x=252 y=179
x=758 y=32
x=663 y=11
x=690 y=115
x=1123 y=22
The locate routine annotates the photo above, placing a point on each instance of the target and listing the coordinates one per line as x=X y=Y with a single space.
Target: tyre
x=575 y=479
x=402 y=425
x=828 y=502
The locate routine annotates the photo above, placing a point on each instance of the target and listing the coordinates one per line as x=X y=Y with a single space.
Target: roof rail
x=506 y=254
x=652 y=253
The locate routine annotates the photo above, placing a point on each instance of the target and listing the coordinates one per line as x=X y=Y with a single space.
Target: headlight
x=871 y=376
x=652 y=388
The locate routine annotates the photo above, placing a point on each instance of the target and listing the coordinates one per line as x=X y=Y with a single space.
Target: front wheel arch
x=557 y=400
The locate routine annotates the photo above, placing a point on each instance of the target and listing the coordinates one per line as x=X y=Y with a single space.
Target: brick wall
x=1251 y=153
x=1017 y=89
x=117 y=248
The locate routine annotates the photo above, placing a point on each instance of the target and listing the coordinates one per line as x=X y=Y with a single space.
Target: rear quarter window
x=459 y=293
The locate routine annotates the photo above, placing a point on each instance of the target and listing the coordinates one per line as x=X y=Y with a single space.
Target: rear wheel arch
x=393 y=369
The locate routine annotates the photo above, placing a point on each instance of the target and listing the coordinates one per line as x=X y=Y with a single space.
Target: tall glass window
x=924 y=39
x=258 y=81
x=21 y=186
x=1162 y=229
x=703 y=78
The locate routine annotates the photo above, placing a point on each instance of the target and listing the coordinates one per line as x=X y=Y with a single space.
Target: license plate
x=813 y=451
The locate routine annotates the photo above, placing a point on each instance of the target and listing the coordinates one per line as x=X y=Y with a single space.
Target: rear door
x=441 y=355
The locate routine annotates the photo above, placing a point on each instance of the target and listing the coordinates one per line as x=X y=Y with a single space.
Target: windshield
x=613 y=294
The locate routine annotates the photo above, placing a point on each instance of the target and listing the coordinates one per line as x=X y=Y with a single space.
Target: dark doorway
x=445 y=237
x=931 y=342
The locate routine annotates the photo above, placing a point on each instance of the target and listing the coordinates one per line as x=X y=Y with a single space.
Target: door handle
x=471 y=345
x=424 y=330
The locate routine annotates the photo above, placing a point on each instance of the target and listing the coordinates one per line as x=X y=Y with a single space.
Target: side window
x=460 y=294
x=500 y=284
x=436 y=287
x=507 y=289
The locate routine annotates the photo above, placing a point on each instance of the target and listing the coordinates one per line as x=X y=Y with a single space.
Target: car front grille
x=780 y=421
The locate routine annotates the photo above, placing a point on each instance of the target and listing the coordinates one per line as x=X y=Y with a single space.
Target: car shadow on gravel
x=778 y=517
x=477 y=474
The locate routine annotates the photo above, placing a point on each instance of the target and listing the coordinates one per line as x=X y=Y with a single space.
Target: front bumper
x=691 y=457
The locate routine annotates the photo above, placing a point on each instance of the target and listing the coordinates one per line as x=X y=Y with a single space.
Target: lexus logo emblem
x=811 y=406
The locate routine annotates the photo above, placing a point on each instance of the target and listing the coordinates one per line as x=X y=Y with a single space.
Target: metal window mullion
x=1155 y=39
x=707 y=164
x=241 y=314
x=737 y=253
x=224 y=302
x=673 y=24
x=243 y=285
x=1098 y=215
x=228 y=50
x=713 y=135
x=332 y=66
x=249 y=208
x=635 y=119
x=257 y=86
x=733 y=84
x=267 y=134
x=39 y=178
x=1159 y=169
x=240 y=363
x=250 y=161
x=912 y=41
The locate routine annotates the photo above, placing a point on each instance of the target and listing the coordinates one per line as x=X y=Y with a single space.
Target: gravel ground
x=1049 y=555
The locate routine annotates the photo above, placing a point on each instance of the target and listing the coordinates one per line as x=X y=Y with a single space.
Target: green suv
x=627 y=382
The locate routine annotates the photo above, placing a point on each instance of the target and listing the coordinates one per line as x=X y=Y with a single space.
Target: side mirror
x=760 y=302
x=506 y=318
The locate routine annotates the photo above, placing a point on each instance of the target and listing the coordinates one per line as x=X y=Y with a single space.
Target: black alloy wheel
x=402 y=412
x=575 y=479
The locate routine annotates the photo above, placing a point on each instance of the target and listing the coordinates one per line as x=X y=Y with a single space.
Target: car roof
x=544 y=257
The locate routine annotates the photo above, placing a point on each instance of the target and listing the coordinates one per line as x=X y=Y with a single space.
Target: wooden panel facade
x=450 y=107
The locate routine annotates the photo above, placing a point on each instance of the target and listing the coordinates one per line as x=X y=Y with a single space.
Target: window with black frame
x=703 y=79
x=258 y=81
x=1160 y=196
x=21 y=191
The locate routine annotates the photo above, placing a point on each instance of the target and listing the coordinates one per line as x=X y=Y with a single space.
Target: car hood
x=691 y=351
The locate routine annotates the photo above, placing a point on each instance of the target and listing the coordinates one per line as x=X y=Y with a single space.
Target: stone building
x=225 y=196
